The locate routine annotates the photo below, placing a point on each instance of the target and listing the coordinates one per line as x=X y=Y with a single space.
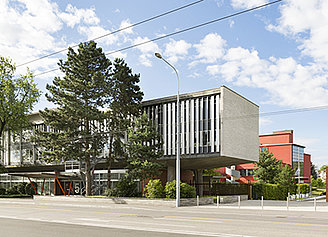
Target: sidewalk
x=320 y=206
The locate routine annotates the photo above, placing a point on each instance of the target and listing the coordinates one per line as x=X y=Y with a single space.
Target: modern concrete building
x=218 y=127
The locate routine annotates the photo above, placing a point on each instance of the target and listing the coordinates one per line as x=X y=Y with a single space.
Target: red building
x=282 y=146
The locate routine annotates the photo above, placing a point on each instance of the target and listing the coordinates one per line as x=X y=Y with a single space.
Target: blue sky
x=276 y=57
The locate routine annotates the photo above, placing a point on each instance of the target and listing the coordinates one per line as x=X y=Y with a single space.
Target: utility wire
x=224 y=119
x=179 y=32
x=279 y=112
x=116 y=31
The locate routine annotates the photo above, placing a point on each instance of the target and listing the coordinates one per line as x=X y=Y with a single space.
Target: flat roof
x=282 y=144
x=192 y=95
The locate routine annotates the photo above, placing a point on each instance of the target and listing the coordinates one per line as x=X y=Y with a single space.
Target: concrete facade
x=218 y=128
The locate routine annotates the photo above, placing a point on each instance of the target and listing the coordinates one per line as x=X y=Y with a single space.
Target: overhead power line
x=263 y=114
x=279 y=112
x=116 y=31
x=180 y=31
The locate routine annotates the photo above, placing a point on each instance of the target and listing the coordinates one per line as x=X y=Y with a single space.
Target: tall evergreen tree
x=143 y=149
x=286 y=176
x=125 y=104
x=76 y=126
x=268 y=168
x=314 y=172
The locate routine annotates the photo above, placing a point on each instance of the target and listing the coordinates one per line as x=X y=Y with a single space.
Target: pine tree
x=77 y=125
x=144 y=148
x=125 y=104
x=286 y=175
x=268 y=168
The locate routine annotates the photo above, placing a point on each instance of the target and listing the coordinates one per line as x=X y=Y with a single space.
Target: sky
x=275 y=56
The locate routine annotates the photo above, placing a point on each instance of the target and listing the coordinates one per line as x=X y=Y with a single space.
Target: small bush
x=21 y=187
x=12 y=190
x=170 y=189
x=186 y=191
x=2 y=191
x=154 y=189
x=29 y=188
x=305 y=188
x=126 y=187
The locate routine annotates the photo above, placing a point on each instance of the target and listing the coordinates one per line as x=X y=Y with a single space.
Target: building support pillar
x=199 y=182
x=170 y=173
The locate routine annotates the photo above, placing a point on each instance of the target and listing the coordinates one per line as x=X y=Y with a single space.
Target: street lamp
x=178 y=134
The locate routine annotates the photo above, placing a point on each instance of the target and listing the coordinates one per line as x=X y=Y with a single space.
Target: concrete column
x=198 y=174
x=170 y=173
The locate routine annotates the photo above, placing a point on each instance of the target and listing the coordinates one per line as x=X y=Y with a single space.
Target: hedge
x=272 y=191
x=16 y=196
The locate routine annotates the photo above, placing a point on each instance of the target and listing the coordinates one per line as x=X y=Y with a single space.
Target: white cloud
x=29 y=27
x=210 y=49
x=125 y=24
x=95 y=31
x=247 y=3
x=287 y=82
x=212 y=69
x=147 y=50
x=73 y=16
x=117 y=55
x=176 y=50
x=231 y=23
x=264 y=122
x=307 y=22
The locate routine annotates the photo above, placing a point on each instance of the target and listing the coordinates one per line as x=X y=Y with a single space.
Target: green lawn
x=317 y=191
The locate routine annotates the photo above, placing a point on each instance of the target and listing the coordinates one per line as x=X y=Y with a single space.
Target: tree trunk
x=109 y=163
x=88 y=177
x=109 y=186
x=2 y=127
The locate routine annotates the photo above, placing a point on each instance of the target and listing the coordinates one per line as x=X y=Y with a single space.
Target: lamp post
x=178 y=134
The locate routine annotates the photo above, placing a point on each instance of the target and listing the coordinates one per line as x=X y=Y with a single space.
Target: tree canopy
x=144 y=148
x=77 y=125
x=96 y=100
x=268 y=168
x=18 y=95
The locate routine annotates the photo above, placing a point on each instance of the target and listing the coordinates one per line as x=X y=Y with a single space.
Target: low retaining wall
x=231 y=199
x=131 y=201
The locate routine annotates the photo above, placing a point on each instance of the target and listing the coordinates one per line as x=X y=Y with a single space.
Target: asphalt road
x=30 y=218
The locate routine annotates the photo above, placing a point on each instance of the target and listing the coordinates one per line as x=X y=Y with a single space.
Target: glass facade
x=298 y=156
x=246 y=172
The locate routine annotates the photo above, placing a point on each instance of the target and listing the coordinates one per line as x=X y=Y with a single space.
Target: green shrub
x=12 y=190
x=170 y=189
x=2 y=191
x=125 y=187
x=21 y=187
x=186 y=191
x=272 y=191
x=15 y=196
x=29 y=188
x=154 y=189
x=305 y=188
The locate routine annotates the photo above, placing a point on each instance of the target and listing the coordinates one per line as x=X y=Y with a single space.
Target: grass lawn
x=318 y=191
